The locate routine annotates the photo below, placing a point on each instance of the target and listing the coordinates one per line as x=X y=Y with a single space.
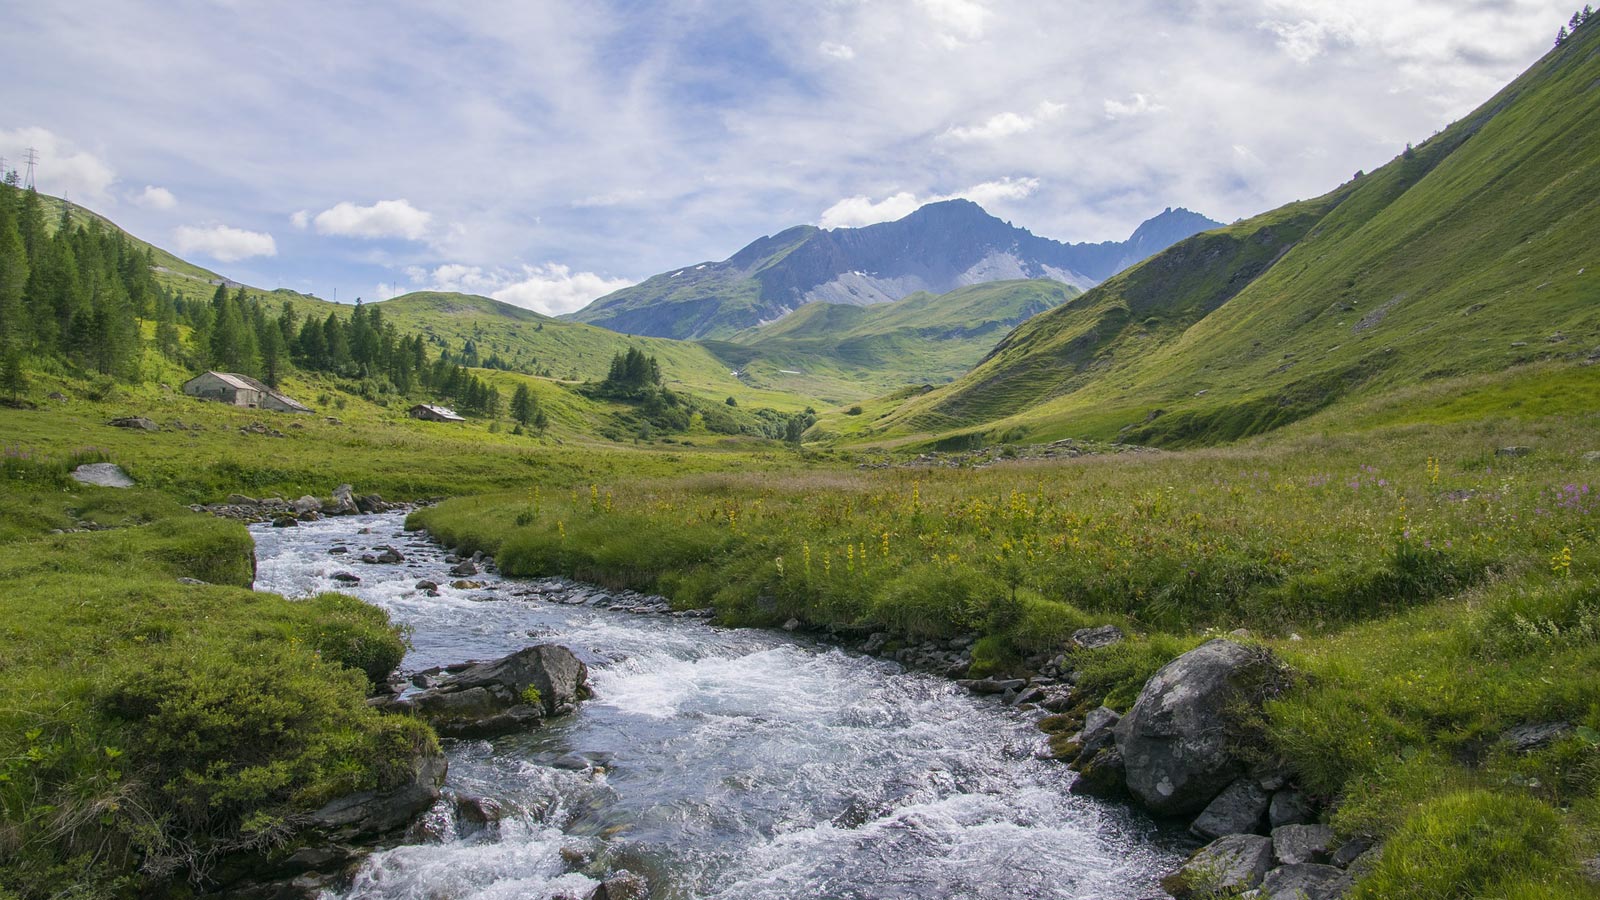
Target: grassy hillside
x=924 y=338
x=572 y=351
x=1472 y=252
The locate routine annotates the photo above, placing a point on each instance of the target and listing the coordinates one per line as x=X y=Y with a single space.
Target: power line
x=31 y=157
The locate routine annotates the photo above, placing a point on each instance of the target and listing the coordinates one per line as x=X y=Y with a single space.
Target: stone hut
x=240 y=390
x=434 y=413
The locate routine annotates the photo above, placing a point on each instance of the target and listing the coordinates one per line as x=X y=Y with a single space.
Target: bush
x=354 y=634
x=224 y=743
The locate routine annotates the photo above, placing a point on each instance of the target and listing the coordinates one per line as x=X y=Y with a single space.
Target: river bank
x=737 y=763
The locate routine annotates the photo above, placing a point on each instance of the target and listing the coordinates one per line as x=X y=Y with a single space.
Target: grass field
x=1428 y=591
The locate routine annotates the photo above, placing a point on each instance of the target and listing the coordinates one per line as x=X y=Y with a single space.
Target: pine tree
x=14 y=325
x=168 y=340
x=13 y=378
x=1561 y=36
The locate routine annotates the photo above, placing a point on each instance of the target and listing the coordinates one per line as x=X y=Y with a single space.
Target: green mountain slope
x=1474 y=252
x=924 y=338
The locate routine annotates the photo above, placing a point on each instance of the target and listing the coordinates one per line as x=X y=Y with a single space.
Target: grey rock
x=285 y=522
x=371 y=503
x=138 y=422
x=1224 y=867
x=57 y=396
x=1293 y=844
x=426 y=585
x=380 y=812
x=584 y=759
x=1095 y=638
x=387 y=555
x=346 y=577
x=992 y=685
x=621 y=885
x=1098 y=732
x=792 y=625
x=1290 y=808
x=1102 y=775
x=1528 y=738
x=338 y=551
x=1513 y=452
x=240 y=500
x=464 y=568
x=306 y=504
x=193 y=582
x=1350 y=851
x=1029 y=694
x=1174 y=740
x=102 y=475
x=1240 y=809
x=344 y=502
x=489 y=698
x=1305 y=881
x=1593 y=456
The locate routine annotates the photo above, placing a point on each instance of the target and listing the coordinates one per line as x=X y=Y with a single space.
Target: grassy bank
x=1429 y=590
x=149 y=728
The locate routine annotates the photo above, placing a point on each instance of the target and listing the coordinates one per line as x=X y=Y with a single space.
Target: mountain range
x=936 y=249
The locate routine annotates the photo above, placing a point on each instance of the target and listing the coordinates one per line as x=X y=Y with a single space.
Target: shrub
x=354 y=634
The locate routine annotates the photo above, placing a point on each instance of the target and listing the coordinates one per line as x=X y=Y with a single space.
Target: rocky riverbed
x=713 y=762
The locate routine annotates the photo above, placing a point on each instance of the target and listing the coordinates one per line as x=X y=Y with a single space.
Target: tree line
x=78 y=295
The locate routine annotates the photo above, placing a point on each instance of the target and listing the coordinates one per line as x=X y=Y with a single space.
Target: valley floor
x=1430 y=587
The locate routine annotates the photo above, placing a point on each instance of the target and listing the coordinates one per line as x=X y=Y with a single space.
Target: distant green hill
x=924 y=338
x=1472 y=252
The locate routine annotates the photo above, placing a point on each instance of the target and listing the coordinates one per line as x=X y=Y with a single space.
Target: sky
x=547 y=152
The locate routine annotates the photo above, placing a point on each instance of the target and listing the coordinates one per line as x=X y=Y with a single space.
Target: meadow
x=1429 y=585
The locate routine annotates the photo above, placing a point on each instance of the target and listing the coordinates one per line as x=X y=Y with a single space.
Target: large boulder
x=508 y=694
x=1175 y=740
x=102 y=475
x=136 y=422
x=1223 y=868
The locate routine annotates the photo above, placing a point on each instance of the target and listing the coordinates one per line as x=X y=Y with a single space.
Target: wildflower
x=886 y=545
x=779 y=562
x=561 y=530
x=805 y=547
x=1561 y=563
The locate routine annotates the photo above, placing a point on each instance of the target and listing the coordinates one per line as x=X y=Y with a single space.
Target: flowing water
x=737 y=763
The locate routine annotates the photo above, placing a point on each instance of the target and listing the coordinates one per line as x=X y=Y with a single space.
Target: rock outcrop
x=102 y=475
x=502 y=696
x=1175 y=742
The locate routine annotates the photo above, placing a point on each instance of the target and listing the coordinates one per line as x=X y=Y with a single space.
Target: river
x=738 y=763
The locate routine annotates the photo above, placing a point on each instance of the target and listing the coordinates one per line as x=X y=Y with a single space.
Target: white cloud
x=1007 y=124
x=384 y=219
x=62 y=169
x=153 y=197
x=1137 y=105
x=609 y=198
x=1302 y=41
x=551 y=289
x=854 y=212
x=225 y=244
x=836 y=51
x=960 y=20
x=300 y=218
